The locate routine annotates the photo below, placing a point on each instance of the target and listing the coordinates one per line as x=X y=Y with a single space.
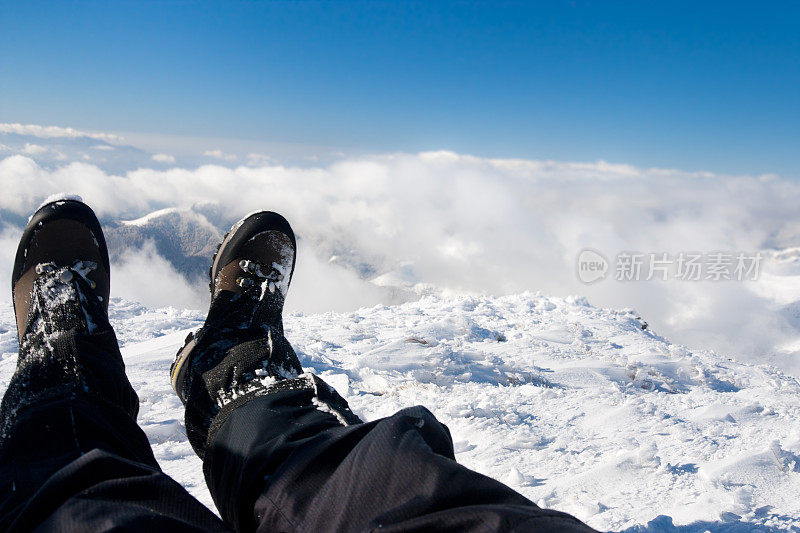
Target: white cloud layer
x=33 y=149
x=50 y=132
x=219 y=154
x=164 y=158
x=145 y=276
x=472 y=224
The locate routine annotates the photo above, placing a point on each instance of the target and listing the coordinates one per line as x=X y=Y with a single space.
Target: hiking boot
x=241 y=349
x=61 y=271
x=67 y=348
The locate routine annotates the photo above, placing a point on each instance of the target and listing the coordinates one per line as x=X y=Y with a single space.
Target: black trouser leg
x=71 y=454
x=286 y=461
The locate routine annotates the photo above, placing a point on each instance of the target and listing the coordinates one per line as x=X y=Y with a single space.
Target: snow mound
x=580 y=409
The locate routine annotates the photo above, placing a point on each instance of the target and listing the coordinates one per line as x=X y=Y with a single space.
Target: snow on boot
x=241 y=352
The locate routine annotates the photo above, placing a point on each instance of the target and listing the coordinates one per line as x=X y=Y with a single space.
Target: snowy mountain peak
x=174 y=216
x=182 y=236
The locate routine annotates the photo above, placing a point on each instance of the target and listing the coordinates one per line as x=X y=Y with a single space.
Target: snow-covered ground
x=576 y=407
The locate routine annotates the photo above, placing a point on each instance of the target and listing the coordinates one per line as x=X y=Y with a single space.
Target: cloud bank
x=164 y=158
x=219 y=154
x=52 y=132
x=478 y=225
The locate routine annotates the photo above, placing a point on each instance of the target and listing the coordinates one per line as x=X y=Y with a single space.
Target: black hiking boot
x=60 y=285
x=61 y=269
x=240 y=351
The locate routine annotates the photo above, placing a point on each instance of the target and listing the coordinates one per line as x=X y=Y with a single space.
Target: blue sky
x=690 y=85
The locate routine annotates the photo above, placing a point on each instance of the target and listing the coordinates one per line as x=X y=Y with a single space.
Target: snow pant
x=73 y=458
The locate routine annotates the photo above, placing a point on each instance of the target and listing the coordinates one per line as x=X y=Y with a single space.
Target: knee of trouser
x=420 y=420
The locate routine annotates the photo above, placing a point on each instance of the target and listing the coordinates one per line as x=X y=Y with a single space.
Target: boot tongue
x=236 y=308
x=226 y=278
x=59 y=304
x=271 y=250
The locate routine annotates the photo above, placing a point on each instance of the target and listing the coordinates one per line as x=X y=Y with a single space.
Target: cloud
x=219 y=154
x=49 y=132
x=255 y=159
x=470 y=224
x=164 y=158
x=320 y=286
x=144 y=276
x=9 y=240
x=33 y=149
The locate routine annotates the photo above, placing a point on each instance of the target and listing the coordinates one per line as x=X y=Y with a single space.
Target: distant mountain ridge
x=184 y=237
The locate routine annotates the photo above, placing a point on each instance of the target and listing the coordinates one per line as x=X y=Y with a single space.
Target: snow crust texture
x=578 y=408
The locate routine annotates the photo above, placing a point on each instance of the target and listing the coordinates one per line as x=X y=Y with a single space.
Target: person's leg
x=71 y=454
x=282 y=451
x=292 y=457
x=285 y=461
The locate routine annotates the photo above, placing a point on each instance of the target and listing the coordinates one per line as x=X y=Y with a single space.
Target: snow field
x=578 y=408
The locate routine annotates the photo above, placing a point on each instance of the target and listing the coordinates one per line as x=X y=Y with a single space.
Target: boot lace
x=268 y=277
x=82 y=268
